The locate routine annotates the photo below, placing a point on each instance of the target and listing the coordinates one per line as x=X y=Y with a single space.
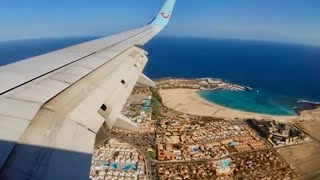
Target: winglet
x=164 y=15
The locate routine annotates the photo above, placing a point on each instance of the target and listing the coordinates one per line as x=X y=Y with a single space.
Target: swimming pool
x=195 y=149
x=128 y=167
x=114 y=165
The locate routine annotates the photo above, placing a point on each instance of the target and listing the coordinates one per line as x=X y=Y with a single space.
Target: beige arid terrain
x=305 y=158
x=309 y=121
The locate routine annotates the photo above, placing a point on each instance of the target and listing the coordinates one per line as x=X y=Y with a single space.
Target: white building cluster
x=114 y=160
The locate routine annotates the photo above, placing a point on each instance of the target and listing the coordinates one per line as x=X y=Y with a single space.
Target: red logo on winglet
x=165 y=16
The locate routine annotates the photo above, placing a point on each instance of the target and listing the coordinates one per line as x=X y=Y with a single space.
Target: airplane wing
x=52 y=105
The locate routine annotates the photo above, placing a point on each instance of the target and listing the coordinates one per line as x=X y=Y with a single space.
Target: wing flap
x=22 y=109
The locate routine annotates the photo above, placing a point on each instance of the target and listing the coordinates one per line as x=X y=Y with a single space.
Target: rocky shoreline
x=305 y=105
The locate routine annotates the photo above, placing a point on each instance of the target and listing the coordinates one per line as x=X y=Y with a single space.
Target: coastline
x=188 y=101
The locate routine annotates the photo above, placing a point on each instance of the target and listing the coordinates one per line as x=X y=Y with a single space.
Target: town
x=200 y=83
x=175 y=145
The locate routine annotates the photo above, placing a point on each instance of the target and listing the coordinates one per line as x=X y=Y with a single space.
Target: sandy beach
x=188 y=101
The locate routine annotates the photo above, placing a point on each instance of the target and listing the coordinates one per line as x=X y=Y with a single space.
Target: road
x=148 y=161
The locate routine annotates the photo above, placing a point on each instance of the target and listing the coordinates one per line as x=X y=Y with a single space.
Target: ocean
x=279 y=73
x=12 y=51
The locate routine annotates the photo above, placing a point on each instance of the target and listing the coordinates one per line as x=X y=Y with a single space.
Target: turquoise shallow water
x=252 y=101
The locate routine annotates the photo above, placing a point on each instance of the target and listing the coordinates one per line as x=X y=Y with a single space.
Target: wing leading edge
x=52 y=105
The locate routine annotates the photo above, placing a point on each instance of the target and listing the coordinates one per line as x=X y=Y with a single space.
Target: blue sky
x=272 y=20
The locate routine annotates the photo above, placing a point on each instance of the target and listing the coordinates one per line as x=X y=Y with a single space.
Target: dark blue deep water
x=282 y=73
x=12 y=51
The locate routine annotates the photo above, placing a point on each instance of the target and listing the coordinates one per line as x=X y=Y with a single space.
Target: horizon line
x=170 y=36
